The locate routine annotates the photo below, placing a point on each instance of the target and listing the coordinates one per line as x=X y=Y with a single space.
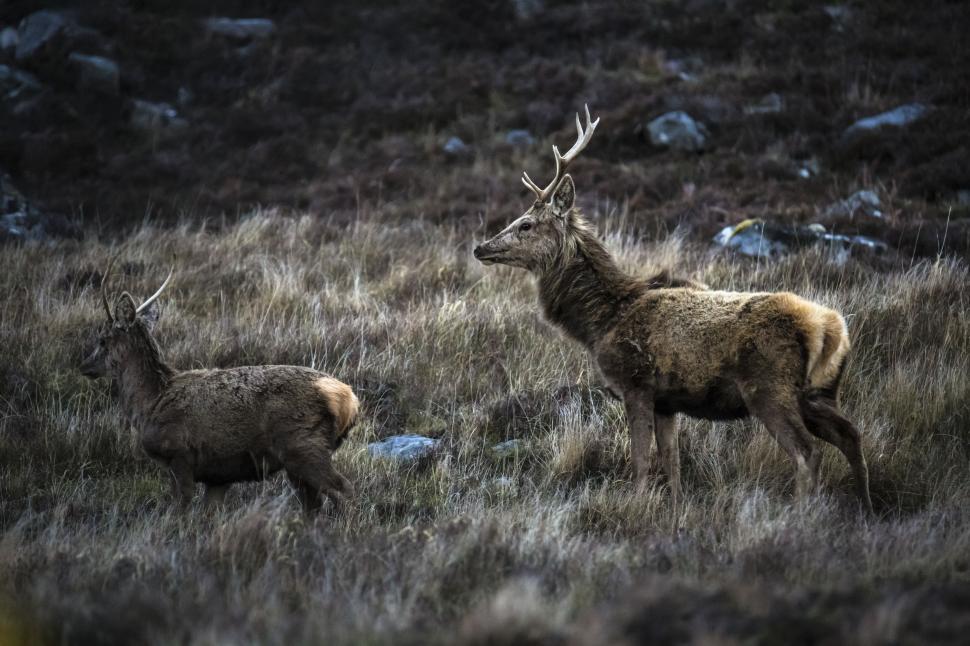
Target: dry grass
x=560 y=549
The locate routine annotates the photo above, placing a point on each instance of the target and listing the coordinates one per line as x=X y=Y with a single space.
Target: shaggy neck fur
x=583 y=291
x=143 y=375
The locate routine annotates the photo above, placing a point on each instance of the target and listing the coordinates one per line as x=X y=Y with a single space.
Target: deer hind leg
x=781 y=415
x=640 y=419
x=668 y=449
x=309 y=497
x=825 y=421
x=311 y=470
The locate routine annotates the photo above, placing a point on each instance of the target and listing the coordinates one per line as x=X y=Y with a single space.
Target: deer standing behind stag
x=669 y=349
x=224 y=426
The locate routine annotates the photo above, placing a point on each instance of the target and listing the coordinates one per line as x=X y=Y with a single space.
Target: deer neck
x=143 y=377
x=585 y=291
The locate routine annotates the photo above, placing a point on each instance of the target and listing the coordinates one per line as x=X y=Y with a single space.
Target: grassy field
x=551 y=544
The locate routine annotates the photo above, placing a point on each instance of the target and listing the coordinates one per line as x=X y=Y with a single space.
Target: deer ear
x=125 y=309
x=564 y=197
x=150 y=315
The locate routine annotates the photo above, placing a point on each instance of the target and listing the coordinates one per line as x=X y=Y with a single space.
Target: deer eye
x=525 y=226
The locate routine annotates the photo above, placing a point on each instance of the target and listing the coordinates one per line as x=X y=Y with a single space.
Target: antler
x=104 y=287
x=562 y=161
x=160 y=289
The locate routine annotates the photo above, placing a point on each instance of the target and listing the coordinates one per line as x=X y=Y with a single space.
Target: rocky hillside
x=853 y=118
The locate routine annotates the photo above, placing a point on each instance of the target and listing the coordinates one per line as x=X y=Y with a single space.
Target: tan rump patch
x=341 y=400
x=826 y=338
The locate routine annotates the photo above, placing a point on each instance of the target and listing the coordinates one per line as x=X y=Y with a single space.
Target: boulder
x=679 y=131
x=519 y=138
x=749 y=239
x=403 y=447
x=760 y=239
x=455 y=146
x=37 y=30
x=8 y=39
x=864 y=202
x=898 y=117
x=241 y=28
x=21 y=222
x=55 y=33
x=769 y=104
x=96 y=73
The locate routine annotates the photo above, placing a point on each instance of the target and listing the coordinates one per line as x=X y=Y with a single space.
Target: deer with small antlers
x=219 y=427
x=672 y=348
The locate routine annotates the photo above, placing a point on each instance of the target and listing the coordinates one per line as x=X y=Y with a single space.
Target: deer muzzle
x=487 y=252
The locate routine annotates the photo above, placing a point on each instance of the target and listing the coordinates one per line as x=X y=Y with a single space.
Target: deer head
x=126 y=331
x=536 y=238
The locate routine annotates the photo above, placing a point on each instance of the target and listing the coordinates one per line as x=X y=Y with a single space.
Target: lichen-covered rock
x=760 y=239
x=749 y=239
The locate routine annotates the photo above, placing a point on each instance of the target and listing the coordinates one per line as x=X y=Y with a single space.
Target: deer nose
x=479 y=251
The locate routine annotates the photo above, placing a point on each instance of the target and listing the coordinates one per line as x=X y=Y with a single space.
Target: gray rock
x=15 y=84
x=146 y=115
x=8 y=38
x=36 y=31
x=866 y=202
x=769 y=104
x=748 y=238
x=759 y=239
x=899 y=117
x=403 y=447
x=15 y=226
x=809 y=168
x=96 y=73
x=846 y=243
x=455 y=146
x=508 y=447
x=679 y=131
x=519 y=138
x=963 y=197
x=241 y=28
x=21 y=222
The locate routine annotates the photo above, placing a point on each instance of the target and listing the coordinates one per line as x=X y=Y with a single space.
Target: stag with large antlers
x=223 y=426
x=671 y=347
